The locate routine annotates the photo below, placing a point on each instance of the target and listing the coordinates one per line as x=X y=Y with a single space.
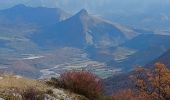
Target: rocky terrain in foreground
x=14 y=87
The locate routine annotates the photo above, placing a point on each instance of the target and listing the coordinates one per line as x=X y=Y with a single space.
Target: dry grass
x=12 y=81
x=17 y=88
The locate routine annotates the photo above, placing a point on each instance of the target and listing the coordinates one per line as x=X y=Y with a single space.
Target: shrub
x=32 y=94
x=81 y=82
x=149 y=84
x=154 y=83
x=129 y=94
x=56 y=82
x=49 y=91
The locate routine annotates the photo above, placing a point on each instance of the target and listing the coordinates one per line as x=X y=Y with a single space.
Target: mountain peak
x=82 y=12
x=19 y=6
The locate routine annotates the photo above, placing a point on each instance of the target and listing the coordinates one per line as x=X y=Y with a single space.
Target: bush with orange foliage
x=154 y=83
x=129 y=94
x=150 y=84
x=81 y=82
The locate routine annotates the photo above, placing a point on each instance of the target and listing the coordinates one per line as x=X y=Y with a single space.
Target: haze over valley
x=44 y=40
x=37 y=36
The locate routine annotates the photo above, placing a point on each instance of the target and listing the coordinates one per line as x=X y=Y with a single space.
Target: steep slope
x=82 y=30
x=16 y=25
x=146 y=47
x=40 y=15
x=18 y=22
x=164 y=58
x=22 y=45
x=122 y=81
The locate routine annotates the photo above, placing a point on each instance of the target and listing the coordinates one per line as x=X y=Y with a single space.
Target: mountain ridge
x=83 y=30
x=37 y=15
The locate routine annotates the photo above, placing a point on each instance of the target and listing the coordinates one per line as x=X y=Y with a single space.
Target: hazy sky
x=114 y=10
x=88 y=4
x=99 y=7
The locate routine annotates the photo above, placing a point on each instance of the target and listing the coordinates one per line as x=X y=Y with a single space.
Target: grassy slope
x=14 y=83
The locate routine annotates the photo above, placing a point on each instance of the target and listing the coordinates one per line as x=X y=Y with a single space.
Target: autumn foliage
x=149 y=84
x=129 y=94
x=81 y=82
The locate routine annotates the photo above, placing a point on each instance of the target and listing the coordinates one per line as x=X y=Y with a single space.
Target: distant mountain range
x=154 y=16
x=121 y=81
x=21 y=14
x=83 y=30
x=164 y=58
x=144 y=48
x=46 y=41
